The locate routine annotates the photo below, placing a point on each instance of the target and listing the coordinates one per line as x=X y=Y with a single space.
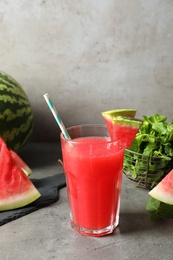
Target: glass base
x=95 y=233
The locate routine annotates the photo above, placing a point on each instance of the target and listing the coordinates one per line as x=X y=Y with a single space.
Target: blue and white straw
x=56 y=116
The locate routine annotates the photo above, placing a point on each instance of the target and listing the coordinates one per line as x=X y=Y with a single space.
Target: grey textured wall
x=90 y=56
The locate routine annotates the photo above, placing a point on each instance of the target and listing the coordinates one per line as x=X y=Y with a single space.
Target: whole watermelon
x=16 y=117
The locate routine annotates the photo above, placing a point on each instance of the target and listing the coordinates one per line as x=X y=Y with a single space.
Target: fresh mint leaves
x=159 y=209
x=150 y=156
x=155 y=137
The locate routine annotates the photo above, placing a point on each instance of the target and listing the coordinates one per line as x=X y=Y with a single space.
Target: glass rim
x=88 y=125
x=73 y=141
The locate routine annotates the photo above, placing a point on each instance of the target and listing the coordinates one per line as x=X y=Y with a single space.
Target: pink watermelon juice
x=93 y=169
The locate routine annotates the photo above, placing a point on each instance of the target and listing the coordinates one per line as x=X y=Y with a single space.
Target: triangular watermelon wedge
x=110 y=114
x=117 y=129
x=123 y=127
x=16 y=189
x=163 y=191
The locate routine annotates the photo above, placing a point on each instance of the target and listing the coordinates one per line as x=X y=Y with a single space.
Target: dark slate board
x=48 y=187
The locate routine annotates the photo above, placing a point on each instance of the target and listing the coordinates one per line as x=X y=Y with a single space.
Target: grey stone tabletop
x=46 y=233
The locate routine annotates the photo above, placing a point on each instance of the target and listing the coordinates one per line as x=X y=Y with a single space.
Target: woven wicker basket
x=145 y=170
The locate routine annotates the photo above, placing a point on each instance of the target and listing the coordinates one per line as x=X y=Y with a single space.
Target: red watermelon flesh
x=117 y=130
x=124 y=127
x=18 y=160
x=163 y=191
x=16 y=189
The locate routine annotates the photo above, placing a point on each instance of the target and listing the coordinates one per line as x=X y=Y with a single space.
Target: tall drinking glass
x=93 y=168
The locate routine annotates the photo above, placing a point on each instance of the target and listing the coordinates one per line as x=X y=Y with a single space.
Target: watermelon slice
x=18 y=160
x=163 y=191
x=110 y=115
x=123 y=127
x=16 y=189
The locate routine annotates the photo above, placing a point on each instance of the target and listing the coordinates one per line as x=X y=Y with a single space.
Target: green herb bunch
x=153 y=151
x=159 y=209
x=155 y=137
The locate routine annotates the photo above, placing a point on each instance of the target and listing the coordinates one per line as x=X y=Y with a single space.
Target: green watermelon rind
x=16 y=116
x=163 y=191
x=127 y=122
x=20 y=200
x=119 y=112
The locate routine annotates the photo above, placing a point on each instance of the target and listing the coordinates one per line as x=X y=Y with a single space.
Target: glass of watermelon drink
x=93 y=167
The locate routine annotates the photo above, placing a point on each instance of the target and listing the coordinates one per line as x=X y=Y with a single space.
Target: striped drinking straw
x=56 y=116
